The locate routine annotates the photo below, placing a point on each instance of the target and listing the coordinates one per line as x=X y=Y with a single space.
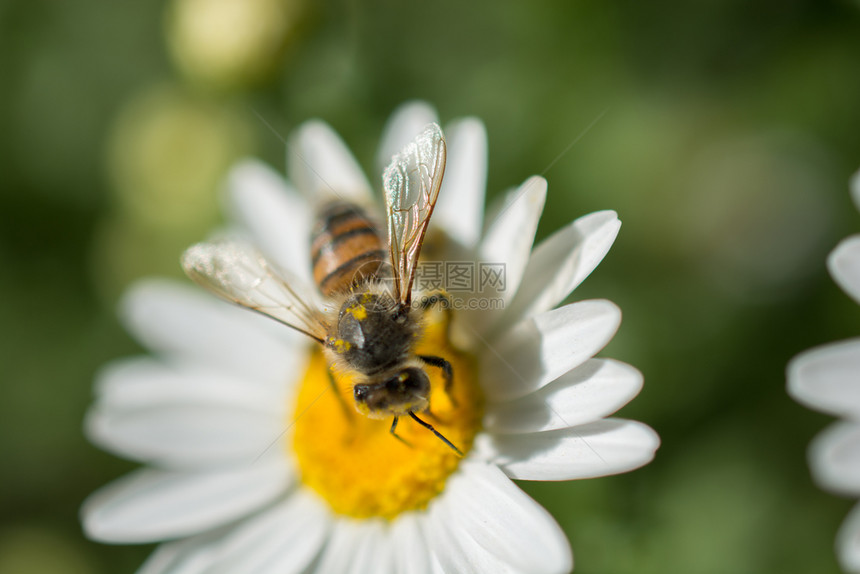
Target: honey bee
x=362 y=313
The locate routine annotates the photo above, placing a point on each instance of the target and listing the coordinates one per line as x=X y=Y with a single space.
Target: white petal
x=505 y=246
x=542 y=348
x=848 y=541
x=152 y=505
x=411 y=555
x=375 y=553
x=561 y=262
x=342 y=544
x=601 y=448
x=278 y=218
x=357 y=547
x=834 y=457
x=844 y=265
x=455 y=551
x=496 y=525
x=459 y=210
x=160 y=560
x=192 y=555
x=435 y=565
x=180 y=436
x=594 y=390
x=827 y=378
x=184 y=323
x=510 y=234
x=281 y=540
x=407 y=121
x=321 y=166
x=183 y=416
x=146 y=382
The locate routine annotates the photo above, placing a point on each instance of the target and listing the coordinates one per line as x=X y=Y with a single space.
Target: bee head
x=405 y=392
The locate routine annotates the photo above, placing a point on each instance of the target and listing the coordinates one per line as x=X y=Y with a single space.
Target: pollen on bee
x=359 y=312
x=355 y=463
x=341 y=346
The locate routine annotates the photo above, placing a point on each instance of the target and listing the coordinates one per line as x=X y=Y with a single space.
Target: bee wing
x=236 y=271
x=411 y=185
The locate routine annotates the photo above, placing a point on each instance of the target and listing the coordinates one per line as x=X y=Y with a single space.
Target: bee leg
x=445 y=303
x=436 y=298
x=447 y=373
x=346 y=410
x=397 y=436
x=429 y=427
x=431 y=415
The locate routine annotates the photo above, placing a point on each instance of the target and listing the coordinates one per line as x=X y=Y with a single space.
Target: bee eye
x=396 y=383
x=399 y=313
x=360 y=392
x=408 y=380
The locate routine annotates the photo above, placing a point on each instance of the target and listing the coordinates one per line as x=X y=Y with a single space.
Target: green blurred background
x=727 y=133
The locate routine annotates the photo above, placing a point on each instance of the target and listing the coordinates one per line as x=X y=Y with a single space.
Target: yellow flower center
x=355 y=463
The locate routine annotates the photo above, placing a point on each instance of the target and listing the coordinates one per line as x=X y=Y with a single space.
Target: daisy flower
x=827 y=379
x=254 y=463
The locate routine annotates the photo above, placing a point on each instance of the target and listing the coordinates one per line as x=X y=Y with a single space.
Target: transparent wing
x=236 y=271
x=411 y=185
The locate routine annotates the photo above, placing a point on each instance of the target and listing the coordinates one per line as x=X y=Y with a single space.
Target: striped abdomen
x=346 y=248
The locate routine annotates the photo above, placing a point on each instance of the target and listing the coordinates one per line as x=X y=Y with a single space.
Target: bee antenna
x=429 y=427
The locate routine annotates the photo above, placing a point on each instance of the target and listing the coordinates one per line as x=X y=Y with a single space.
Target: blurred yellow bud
x=230 y=43
x=168 y=153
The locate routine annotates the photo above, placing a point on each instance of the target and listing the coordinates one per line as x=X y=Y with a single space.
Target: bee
x=362 y=313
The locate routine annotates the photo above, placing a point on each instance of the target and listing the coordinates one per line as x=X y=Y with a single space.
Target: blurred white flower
x=228 y=489
x=827 y=379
